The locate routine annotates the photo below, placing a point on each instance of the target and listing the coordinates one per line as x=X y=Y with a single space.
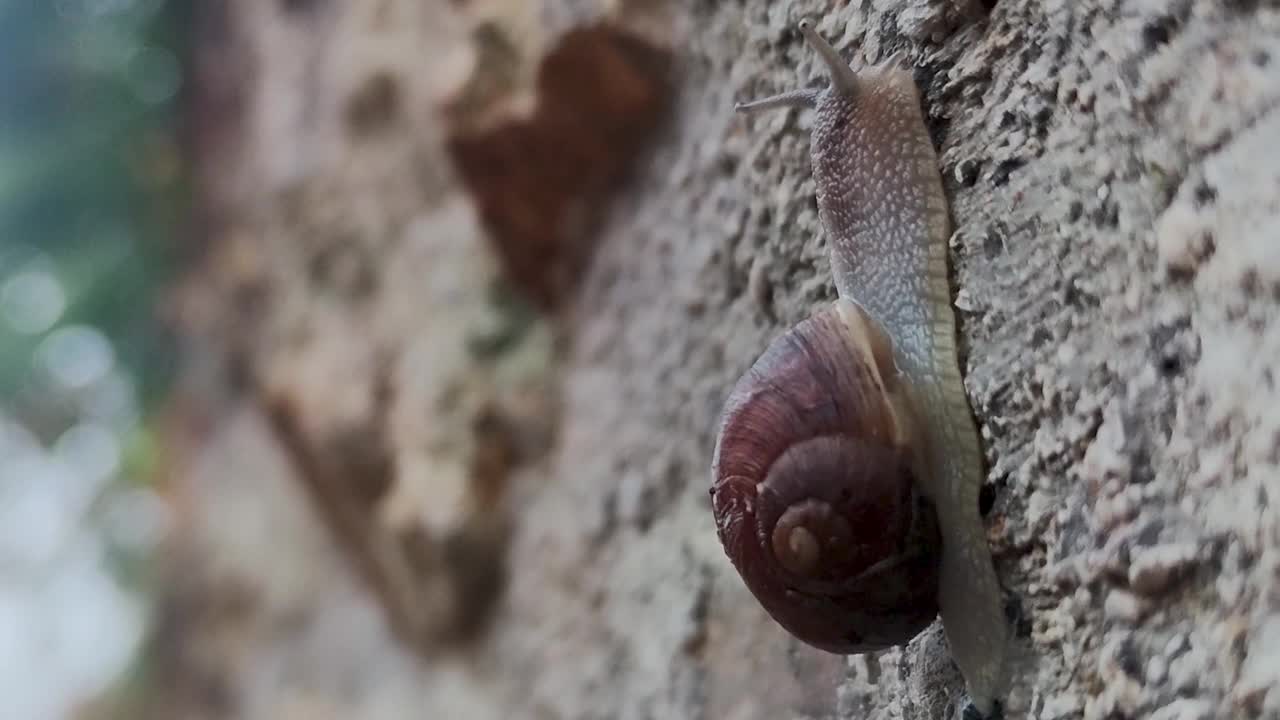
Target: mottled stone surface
x=1115 y=185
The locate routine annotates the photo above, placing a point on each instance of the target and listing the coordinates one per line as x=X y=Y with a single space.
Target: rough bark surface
x=480 y=275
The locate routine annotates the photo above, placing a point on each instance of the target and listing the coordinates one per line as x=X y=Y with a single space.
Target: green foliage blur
x=91 y=179
x=92 y=197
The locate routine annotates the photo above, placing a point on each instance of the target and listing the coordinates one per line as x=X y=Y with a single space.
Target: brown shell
x=818 y=436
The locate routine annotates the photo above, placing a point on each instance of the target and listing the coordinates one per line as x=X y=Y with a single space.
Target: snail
x=847 y=469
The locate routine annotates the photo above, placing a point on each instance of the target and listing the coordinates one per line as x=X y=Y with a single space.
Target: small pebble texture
x=1114 y=176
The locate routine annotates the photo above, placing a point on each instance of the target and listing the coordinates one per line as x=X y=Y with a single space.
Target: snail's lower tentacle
x=793 y=98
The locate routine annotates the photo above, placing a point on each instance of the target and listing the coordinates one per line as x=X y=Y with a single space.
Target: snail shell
x=814 y=487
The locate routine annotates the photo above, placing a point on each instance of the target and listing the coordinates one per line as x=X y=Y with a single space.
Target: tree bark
x=478 y=277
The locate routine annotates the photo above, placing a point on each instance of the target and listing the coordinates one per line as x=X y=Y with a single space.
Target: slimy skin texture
x=881 y=202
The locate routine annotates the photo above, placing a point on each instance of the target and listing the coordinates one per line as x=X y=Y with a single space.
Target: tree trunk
x=477 y=277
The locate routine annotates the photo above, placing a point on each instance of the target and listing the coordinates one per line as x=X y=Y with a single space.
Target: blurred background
x=267 y=386
x=91 y=194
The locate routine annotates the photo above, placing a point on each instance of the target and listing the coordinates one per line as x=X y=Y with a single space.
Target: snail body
x=847 y=468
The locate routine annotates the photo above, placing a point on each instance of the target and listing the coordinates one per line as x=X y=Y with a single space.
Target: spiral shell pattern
x=814 y=488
